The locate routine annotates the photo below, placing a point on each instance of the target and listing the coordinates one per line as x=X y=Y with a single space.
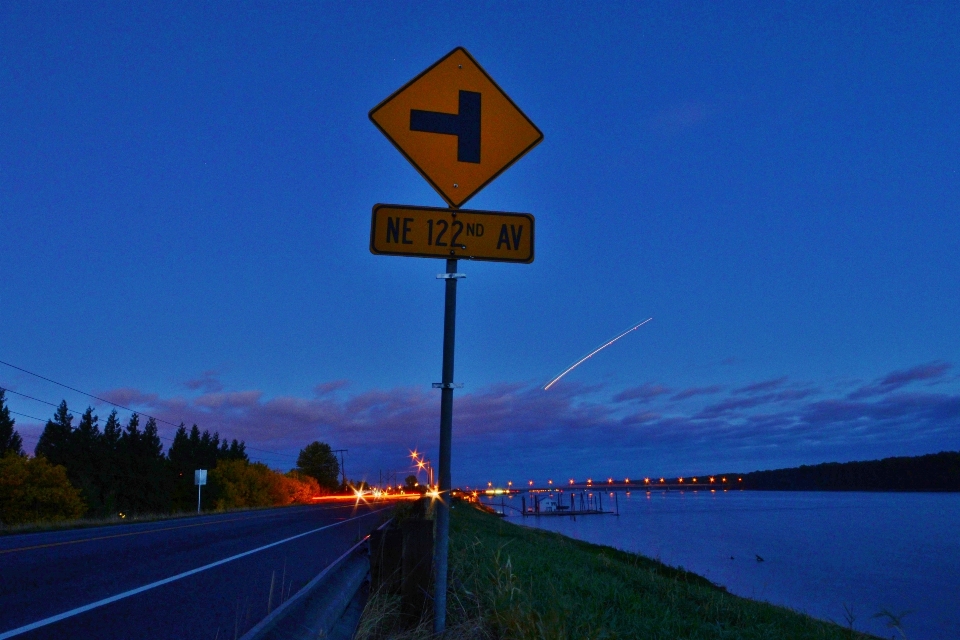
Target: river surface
x=824 y=553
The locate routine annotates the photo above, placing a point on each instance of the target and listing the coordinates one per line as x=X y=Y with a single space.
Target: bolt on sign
x=456 y=126
x=430 y=232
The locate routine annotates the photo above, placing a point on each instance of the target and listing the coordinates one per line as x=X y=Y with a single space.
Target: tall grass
x=513 y=582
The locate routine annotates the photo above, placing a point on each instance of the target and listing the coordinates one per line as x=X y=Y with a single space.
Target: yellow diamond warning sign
x=456 y=126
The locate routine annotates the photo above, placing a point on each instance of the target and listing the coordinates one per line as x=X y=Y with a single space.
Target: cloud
x=227 y=401
x=206 y=383
x=766 y=385
x=326 y=388
x=508 y=430
x=130 y=397
x=643 y=393
x=932 y=371
x=697 y=391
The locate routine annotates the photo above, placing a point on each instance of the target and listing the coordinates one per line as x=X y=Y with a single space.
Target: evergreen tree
x=86 y=458
x=108 y=472
x=54 y=443
x=10 y=440
x=130 y=484
x=112 y=431
x=156 y=497
x=197 y=450
x=142 y=483
x=237 y=451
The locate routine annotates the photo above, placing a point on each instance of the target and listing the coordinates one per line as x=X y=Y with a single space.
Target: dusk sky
x=186 y=191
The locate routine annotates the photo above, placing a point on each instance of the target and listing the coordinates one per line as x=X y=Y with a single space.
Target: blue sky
x=185 y=194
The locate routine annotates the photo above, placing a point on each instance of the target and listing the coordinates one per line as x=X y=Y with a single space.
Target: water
x=870 y=552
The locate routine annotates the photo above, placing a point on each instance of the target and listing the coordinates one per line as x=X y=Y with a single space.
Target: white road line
x=159 y=583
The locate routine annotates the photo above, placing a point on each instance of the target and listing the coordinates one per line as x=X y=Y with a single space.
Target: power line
x=23 y=395
x=17 y=413
x=119 y=406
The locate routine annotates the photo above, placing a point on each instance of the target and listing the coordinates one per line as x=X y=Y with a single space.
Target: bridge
x=705 y=483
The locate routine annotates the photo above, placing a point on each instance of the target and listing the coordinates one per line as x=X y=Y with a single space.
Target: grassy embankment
x=509 y=581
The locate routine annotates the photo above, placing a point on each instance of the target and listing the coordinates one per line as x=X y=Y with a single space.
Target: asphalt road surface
x=205 y=577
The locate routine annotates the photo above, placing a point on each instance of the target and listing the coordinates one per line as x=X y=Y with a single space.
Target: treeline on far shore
x=931 y=472
x=79 y=470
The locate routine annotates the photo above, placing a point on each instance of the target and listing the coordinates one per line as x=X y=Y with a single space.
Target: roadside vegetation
x=121 y=472
x=513 y=582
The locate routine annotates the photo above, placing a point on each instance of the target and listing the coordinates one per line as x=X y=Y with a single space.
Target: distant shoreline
x=931 y=473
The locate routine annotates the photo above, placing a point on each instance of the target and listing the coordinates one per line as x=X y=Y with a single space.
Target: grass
x=514 y=582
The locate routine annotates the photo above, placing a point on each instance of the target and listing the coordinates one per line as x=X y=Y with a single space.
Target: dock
x=582 y=503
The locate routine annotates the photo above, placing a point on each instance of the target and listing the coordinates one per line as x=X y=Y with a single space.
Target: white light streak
x=594 y=352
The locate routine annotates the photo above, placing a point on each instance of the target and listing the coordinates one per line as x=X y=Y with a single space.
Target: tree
x=319 y=462
x=302 y=488
x=411 y=483
x=141 y=469
x=236 y=451
x=33 y=490
x=85 y=459
x=10 y=440
x=239 y=484
x=192 y=450
x=54 y=443
x=109 y=473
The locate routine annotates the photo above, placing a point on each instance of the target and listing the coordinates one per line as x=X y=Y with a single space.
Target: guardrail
x=315 y=609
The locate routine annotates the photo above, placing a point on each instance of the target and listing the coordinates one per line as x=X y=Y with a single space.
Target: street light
x=423 y=464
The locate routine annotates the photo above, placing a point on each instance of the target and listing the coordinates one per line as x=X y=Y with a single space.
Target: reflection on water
x=821 y=551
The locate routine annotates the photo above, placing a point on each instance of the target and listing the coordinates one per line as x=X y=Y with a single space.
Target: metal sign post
x=442 y=545
x=460 y=131
x=199 y=479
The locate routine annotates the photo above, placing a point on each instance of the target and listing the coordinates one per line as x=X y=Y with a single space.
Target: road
x=205 y=577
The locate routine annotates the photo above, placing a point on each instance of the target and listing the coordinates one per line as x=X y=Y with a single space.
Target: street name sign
x=430 y=232
x=456 y=126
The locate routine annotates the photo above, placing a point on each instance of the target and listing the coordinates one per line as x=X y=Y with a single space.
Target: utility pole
x=343 y=472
